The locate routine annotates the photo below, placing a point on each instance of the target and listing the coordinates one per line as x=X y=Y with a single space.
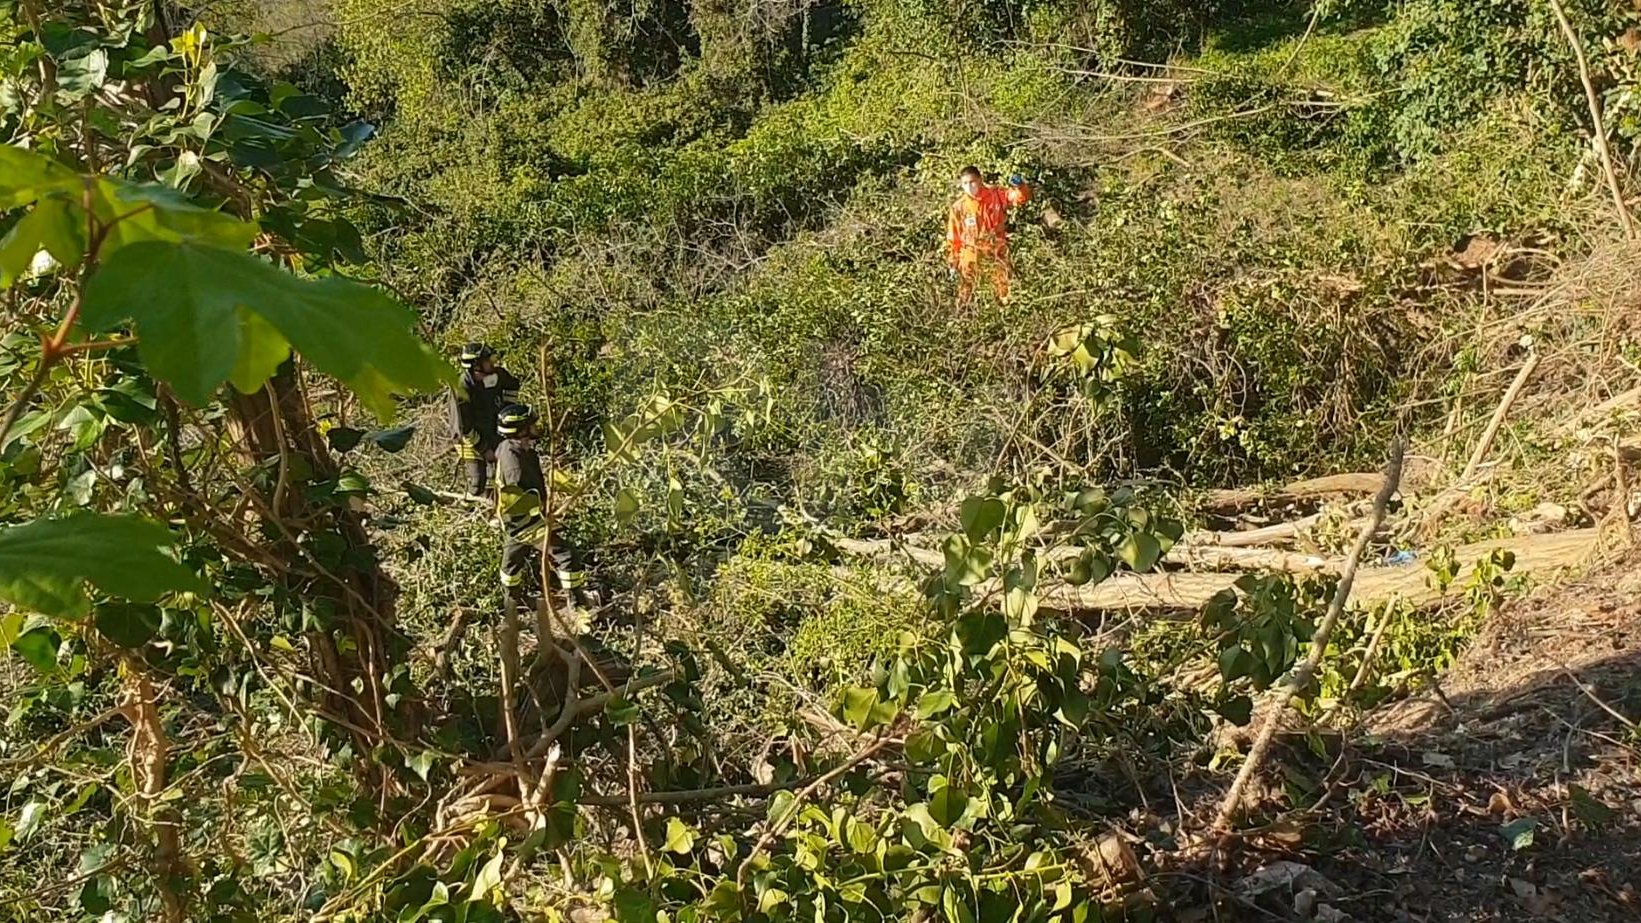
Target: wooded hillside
x=1268 y=553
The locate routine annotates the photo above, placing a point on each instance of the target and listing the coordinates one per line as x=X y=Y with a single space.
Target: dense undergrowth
x=707 y=235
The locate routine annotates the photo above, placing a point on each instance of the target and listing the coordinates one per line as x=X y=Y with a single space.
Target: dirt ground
x=1513 y=794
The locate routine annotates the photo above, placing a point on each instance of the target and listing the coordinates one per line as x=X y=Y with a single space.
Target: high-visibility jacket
x=473 y=409
x=980 y=224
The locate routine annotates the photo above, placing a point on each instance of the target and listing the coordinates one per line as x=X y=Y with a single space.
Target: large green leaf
x=129 y=625
x=186 y=301
x=27 y=175
x=1140 y=551
x=45 y=564
x=680 y=836
x=38 y=647
x=141 y=214
x=55 y=225
x=981 y=516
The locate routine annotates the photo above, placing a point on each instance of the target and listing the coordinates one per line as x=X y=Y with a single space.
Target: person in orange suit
x=977 y=232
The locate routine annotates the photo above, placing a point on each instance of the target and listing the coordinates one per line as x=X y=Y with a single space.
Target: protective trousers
x=477 y=472
x=521 y=565
x=973 y=261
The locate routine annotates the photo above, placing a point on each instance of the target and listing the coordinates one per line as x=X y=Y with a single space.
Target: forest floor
x=1513 y=793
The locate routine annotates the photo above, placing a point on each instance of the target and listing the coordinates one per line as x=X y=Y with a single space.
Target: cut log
x=1197 y=550
x=1247 y=538
x=1535 y=554
x=1357 y=484
x=1178 y=592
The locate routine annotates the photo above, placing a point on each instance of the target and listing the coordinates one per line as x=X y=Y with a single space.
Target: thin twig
x=778 y=827
x=1499 y=413
x=691 y=796
x=1301 y=678
x=1598 y=124
x=1316 y=14
x=1590 y=694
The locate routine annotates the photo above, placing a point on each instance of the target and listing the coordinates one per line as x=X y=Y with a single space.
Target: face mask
x=490 y=380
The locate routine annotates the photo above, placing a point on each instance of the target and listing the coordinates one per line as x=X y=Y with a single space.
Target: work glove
x=1016 y=179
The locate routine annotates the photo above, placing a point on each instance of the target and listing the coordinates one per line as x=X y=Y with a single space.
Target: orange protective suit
x=978 y=234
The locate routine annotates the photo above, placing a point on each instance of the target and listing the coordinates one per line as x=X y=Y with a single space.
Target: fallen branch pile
x=1205 y=563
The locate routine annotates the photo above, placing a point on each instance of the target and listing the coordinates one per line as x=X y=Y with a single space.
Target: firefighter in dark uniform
x=521 y=492
x=485 y=389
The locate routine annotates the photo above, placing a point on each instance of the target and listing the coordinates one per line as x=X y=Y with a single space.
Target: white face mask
x=490 y=380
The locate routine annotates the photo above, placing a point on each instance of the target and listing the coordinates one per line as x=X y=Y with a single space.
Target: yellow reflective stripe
x=532 y=533
x=511 y=580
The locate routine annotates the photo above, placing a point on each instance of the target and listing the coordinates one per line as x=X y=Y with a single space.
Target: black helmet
x=514 y=418
x=473 y=352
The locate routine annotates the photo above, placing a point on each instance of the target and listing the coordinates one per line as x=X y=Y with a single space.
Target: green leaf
x=772 y=899
x=857 y=705
x=1239 y=710
x=924 y=745
x=948 y=805
x=633 y=906
x=1090 y=501
x=344 y=438
x=935 y=703
x=781 y=805
x=150 y=214
x=626 y=505
x=128 y=625
x=26 y=425
x=860 y=836
x=262 y=351
x=621 y=712
x=54 y=225
x=489 y=877
x=1073 y=708
x=1593 y=813
x=1519 y=833
x=38 y=648
x=45 y=564
x=352 y=482
x=966 y=565
x=29 y=820
x=1020 y=604
x=82 y=74
x=94 y=896
x=422 y=763
x=981 y=516
x=27 y=175
x=6 y=833
x=680 y=836
x=185 y=300
x=393 y=440
x=1234 y=663
x=1140 y=551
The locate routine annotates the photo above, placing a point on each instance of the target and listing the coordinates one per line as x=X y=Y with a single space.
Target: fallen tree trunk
x=1410 y=582
x=1230 y=502
x=1332 y=486
x=1174 y=592
x=1197 y=550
